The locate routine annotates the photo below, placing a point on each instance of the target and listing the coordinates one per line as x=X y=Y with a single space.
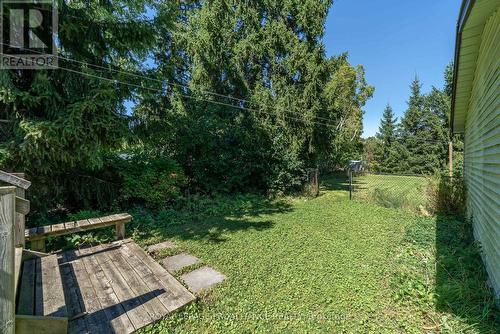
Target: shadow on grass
x=209 y=218
x=461 y=278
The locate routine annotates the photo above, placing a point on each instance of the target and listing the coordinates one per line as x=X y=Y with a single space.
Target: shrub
x=447 y=194
x=152 y=181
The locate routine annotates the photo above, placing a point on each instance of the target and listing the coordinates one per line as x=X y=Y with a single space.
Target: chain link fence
x=407 y=191
x=423 y=194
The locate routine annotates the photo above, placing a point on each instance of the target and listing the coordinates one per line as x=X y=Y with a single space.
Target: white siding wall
x=482 y=149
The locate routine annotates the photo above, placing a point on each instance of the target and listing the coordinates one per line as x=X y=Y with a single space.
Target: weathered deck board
x=53 y=303
x=135 y=310
x=125 y=293
x=25 y=305
x=146 y=296
x=153 y=282
x=97 y=322
x=178 y=294
x=42 y=232
x=115 y=313
x=74 y=301
x=38 y=288
x=41 y=289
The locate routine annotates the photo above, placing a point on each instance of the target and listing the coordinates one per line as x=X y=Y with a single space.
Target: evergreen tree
x=387 y=137
x=293 y=107
x=62 y=124
x=387 y=129
x=271 y=55
x=413 y=132
x=424 y=131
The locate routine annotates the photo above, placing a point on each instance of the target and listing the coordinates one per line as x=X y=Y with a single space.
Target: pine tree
x=410 y=124
x=387 y=136
x=411 y=129
x=63 y=124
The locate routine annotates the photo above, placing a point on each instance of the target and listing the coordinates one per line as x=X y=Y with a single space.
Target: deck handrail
x=14 y=180
x=7 y=254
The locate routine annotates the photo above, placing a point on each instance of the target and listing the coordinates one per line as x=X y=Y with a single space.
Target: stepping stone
x=177 y=262
x=202 y=278
x=163 y=245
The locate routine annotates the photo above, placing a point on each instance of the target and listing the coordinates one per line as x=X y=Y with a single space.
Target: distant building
x=476 y=114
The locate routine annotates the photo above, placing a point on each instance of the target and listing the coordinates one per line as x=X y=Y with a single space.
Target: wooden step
x=117 y=288
x=41 y=289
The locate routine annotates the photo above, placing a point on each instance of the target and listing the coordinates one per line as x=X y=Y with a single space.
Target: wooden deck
x=117 y=288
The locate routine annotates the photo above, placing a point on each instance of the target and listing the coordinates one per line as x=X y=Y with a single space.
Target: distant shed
x=476 y=114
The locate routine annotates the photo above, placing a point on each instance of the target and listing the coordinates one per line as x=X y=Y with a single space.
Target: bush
x=152 y=181
x=447 y=194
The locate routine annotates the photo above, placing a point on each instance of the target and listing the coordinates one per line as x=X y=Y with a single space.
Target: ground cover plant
x=325 y=265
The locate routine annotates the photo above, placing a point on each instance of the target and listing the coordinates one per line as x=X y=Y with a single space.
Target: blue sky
x=393 y=40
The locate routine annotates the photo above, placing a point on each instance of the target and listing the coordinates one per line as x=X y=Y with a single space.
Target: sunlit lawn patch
x=325 y=265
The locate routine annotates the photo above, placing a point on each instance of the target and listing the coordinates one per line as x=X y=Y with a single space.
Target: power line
x=184 y=95
x=160 y=81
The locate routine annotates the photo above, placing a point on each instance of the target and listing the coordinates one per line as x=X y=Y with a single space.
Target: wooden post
x=7 y=250
x=350 y=184
x=20 y=218
x=120 y=230
x=316 y=182
x=450 y=158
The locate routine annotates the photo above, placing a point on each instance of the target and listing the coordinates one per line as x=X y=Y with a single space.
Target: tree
x=387 y=137
x=372 y=153
x=62 y=124
x=240 y=95
x=302 y=109
x=424 y=129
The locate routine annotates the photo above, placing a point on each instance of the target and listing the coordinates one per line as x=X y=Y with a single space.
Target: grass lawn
x=324 y=265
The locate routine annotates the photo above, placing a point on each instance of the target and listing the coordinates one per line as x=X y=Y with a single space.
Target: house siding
x=482 y=149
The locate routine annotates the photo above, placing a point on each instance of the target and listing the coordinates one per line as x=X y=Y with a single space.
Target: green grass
x=324 y=265
x=392 y=191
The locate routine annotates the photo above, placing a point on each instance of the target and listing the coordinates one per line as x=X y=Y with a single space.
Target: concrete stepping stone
x=162 y=245
x=202 y=279
x=179 y=261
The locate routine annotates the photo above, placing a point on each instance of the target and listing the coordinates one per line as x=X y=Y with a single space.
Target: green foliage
x=153 y=181
x=417 y=137
x=67 y=127
x=270 y=55
x=63 y=125
x=448 y=194
x=372 y=151
x=385 y=154
x=441 y=277
x=387 y=129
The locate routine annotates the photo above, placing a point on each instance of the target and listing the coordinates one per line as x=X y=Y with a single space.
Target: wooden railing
x=7 y=263
x=22 y=205
x=13 y=208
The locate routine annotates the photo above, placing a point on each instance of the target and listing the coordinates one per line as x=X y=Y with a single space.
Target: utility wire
x=134 y=74
x=184 y=95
